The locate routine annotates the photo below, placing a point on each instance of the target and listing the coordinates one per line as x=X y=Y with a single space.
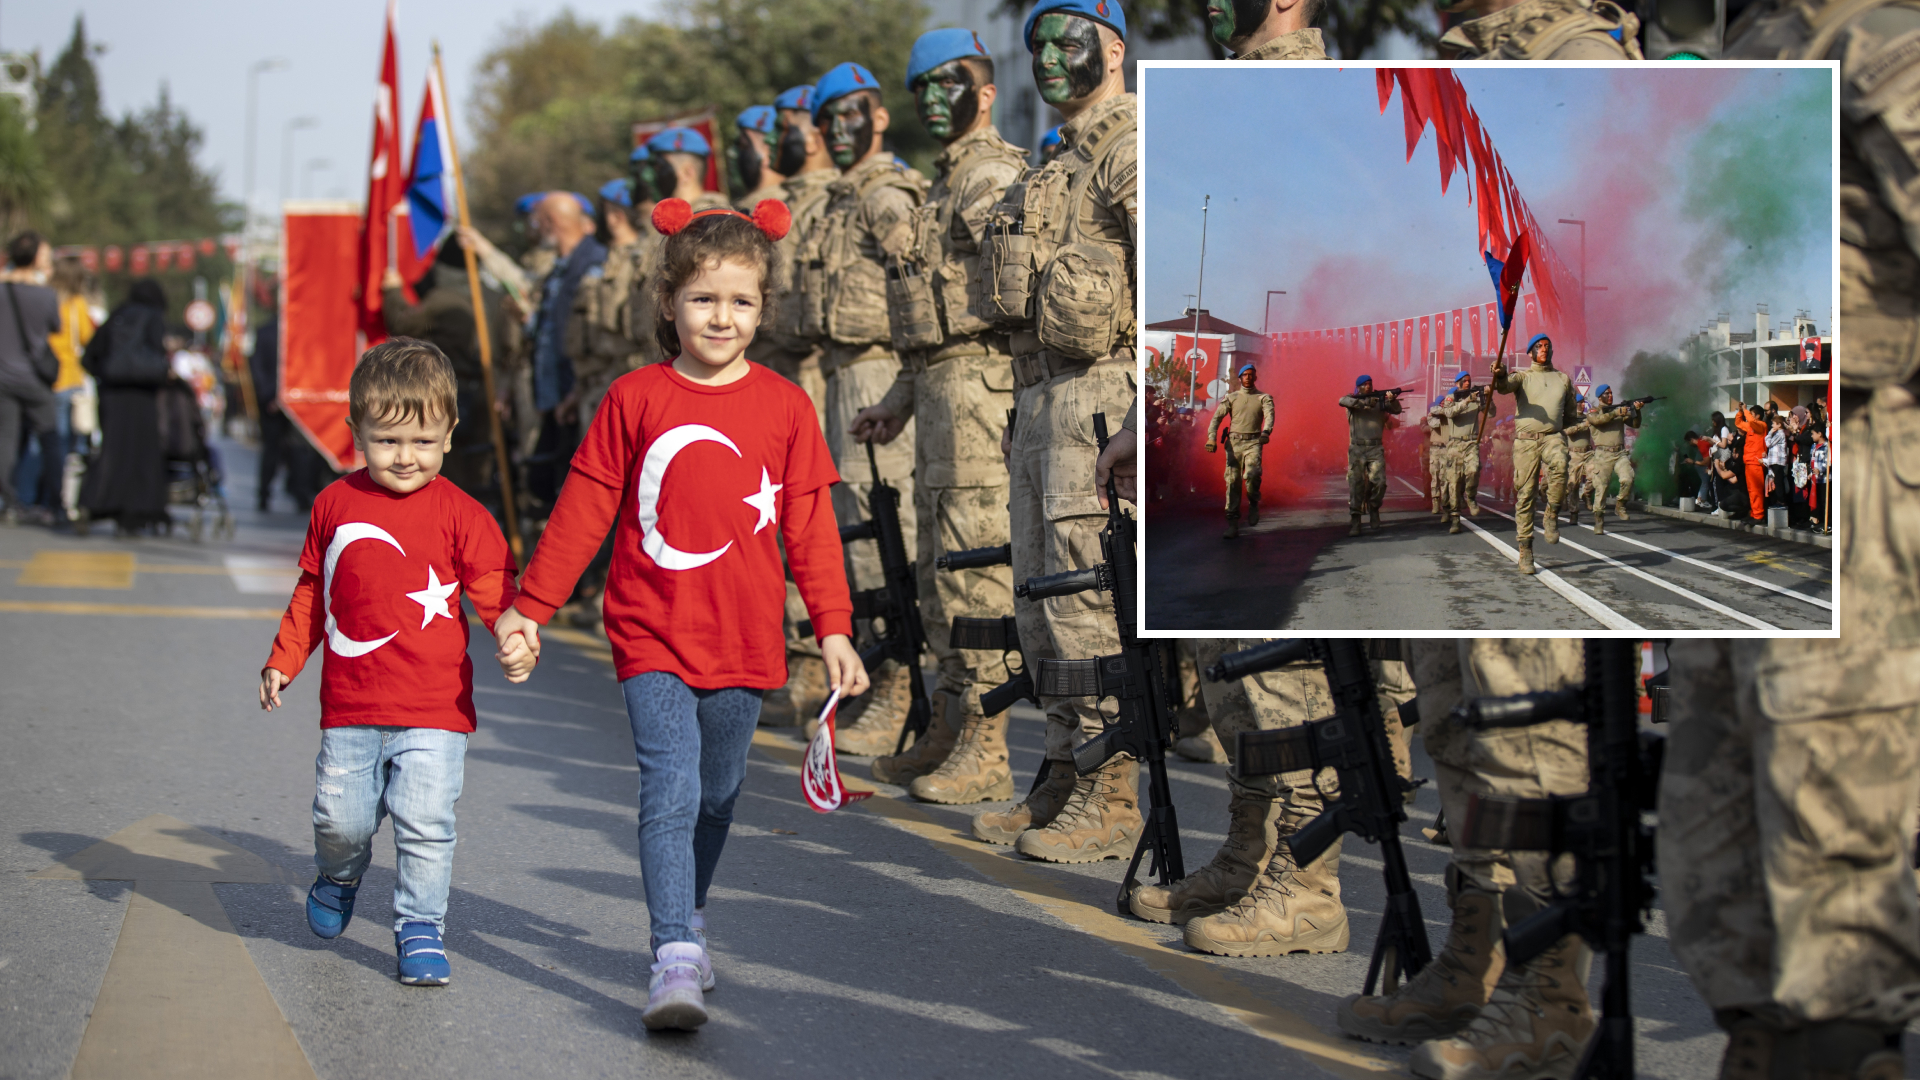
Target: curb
x=1796 y=536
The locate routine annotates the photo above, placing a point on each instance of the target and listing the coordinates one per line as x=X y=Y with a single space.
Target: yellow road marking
x=594 y=646
x=78 y=570
x=1771 y=561
x=1192 y=972
x=52 y=607
x=181 y=996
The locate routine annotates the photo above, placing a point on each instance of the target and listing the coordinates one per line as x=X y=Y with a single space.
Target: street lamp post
x=306 y=174
x=1198 y=354
x=1584 y=287
x=298 y=123
x=253 y=115
x=1271 y=293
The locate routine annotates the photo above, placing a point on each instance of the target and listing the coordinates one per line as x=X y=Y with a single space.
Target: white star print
x=433 y=598
x=762 y=500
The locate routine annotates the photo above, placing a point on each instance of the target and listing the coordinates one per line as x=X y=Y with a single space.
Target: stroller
x=195 y=478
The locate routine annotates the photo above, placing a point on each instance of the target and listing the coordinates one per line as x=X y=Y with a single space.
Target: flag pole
x=501 y=462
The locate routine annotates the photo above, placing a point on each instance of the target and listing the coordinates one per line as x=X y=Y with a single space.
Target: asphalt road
x=876 y=941
x=1299 y=571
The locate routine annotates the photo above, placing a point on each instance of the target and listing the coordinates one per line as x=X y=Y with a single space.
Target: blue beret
x=1537 y=339
x=844 y=79
x=937 y=47
x=1244 y=368
x=1601 y=389
x=639 y=154
x=524 y=204
x=756 y=118
x=1362 y=379
x=679 y=140
x=798 y=97
x=586 y=204
x=1464 y=374
x=1051 y=138
x=618 y=192
x=1105 y=12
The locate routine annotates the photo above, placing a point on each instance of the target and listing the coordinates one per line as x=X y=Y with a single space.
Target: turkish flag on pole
x=386 y=187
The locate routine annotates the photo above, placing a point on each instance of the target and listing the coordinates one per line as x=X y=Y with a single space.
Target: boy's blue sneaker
x=423 y=959
x=330 y=906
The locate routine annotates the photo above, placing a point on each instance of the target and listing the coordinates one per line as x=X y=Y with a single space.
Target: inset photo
x=1489 y=349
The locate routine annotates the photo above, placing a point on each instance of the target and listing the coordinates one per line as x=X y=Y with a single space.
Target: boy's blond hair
x=402 y=379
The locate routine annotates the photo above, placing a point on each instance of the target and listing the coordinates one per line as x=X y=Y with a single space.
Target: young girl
x=710 y=462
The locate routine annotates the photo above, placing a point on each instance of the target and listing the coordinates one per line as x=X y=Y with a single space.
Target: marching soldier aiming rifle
x=1610 y=458
x=1460 y=418
x=1579 y=455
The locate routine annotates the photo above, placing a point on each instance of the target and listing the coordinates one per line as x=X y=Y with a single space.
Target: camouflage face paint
x=947 y=100
x=1231 y=19
x=645 y=182
x=847 y=125
x=1068 y=62
x=747 y=161
x=792 y=156
x=666 y=178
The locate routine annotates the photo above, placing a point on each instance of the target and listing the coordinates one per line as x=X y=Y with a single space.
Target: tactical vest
x=807 y=200
x=1537 y=29
x=846 y=292
x=933 y=287
x=1041 y=271
x=1610 y=427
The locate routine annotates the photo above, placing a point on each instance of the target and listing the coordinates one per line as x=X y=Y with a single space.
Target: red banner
x=1473 y=319
x=1459 y=334
x=319 y=338
x=1183 y=344
x=1426 y=336
x=701 y=122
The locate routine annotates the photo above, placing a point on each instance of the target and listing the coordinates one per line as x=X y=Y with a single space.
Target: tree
x=24 y=181
x=555 y=102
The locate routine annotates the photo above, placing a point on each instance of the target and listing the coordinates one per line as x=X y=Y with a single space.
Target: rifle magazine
x=1069 y=678
x=997 y=635
x=1264 y=753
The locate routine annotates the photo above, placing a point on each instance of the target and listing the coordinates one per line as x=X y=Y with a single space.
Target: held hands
x=519 y=639
x=845 y=672
x=1120 y=461
x=270 y=683
x=876 y=423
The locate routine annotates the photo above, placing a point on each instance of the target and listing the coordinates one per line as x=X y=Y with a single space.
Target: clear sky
x=202 y=49
x=1704 y=190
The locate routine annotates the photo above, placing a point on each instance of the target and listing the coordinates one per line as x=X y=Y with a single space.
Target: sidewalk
x=1797 y=536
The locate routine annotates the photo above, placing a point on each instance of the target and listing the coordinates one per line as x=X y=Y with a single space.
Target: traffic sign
x=1217 y=388
x=200 y=316
x=1583 y=374
x=1582 y=388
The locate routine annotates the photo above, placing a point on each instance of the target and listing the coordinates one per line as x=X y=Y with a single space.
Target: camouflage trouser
x=1243 y=463
x=960 y=499
x=1056 y=523
x=1544 y=459
x=1790 y=893
x=850 y=388
x=1577 y=463
x=1607 y=464
x=1434 y=461
x=1366 y=477
x=1463 y=468
x=1528 y=762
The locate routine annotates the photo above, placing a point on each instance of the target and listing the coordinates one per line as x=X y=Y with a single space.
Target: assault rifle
x=1143 y=677
x=1602 y=829
x=896 y=604
x=1001 y=634
x=1372 y=803
x=1643 y=402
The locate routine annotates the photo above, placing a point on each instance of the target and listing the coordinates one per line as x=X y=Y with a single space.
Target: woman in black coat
x=128 y=360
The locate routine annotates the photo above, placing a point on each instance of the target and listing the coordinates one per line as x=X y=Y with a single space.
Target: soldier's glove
x=1211 y=447
x=1265 y=439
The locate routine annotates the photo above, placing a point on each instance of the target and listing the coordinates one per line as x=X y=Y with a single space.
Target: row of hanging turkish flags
x=1401 y=343
x=150 y=256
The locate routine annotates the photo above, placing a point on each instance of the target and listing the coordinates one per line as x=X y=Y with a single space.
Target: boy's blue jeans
x=366 y=773
x=691 y=746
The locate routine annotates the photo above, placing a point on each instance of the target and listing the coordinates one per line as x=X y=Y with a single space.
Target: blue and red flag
x=430 y=196
x=1506 y=277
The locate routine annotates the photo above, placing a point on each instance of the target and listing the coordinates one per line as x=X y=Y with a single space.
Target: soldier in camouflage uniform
x=1579 y=454
x=1608 y=424
x=1460 y=420
x=604 y=337
x=1791 y=904
x=1367 y=414
x=753 y=160
x=1433 y=455
x=1475 y=1016
x=1059 y=272
x=957 y=380
x=1543 y=408
x=1248 y=415
x=1268 y=29
x=868 y=220
x=1542 y=30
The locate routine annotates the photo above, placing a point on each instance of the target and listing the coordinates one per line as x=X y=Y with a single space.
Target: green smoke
x=1685 y=382
x=1761 y=183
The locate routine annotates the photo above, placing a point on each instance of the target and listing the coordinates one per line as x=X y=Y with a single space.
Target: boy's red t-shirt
x=708 y=482
x=380 y=587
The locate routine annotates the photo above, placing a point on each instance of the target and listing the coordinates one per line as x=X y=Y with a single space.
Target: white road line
x=1599 y=612
x=1704 y=565
x=1710 y=605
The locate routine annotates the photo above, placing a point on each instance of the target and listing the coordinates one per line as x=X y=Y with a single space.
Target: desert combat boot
x=1287 y=910
x=976 y=770
x=1551 y=533
x=1251 y=836
x=878 y=729
x=1446 y=994
x=1534 y=1025
x=1100 y=821
x=1041 y=806
x=927 y=752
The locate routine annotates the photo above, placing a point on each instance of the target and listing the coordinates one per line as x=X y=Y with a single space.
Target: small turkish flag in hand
x=820 y=772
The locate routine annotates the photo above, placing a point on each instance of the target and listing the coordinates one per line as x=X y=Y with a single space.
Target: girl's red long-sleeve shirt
x=380 y=583
x=706 y=483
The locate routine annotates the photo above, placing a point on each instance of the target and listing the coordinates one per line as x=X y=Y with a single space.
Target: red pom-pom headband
x=771 y=216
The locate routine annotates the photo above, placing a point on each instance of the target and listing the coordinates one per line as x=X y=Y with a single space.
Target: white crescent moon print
x=653 y=470
x=339 y=643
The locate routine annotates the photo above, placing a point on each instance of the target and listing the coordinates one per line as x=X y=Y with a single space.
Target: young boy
x=388 y=550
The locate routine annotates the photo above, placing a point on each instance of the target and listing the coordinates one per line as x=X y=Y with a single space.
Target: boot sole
x=1118 y=848
x=972 y=793
x=1408 y=1034
x=1002 y=837
x=1170 y=917
x=675 y=1016
x=1268 y=944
